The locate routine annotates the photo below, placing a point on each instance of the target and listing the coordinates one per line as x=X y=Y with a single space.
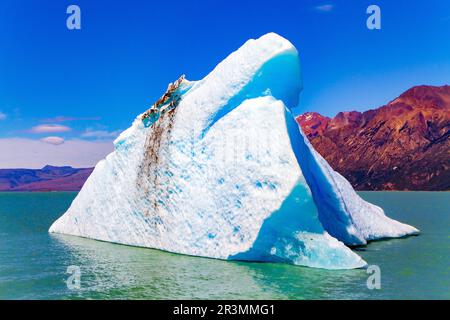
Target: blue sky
x=87 y=85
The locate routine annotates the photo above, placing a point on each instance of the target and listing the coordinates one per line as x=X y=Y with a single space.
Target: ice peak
x=265 y=66
x=275 y=41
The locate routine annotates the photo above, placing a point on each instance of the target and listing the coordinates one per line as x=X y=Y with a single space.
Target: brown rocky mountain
x=403 y=145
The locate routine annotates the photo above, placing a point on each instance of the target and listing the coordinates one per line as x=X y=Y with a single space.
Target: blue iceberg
x=219 y=168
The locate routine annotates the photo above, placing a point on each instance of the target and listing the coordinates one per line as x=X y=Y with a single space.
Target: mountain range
x=49 y=178
x=403 y=145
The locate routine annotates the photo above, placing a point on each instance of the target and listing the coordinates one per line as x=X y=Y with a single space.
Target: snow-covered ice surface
x=227 y=174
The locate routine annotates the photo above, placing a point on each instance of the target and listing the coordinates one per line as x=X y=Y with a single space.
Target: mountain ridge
x=403 y=145
x=48 y=178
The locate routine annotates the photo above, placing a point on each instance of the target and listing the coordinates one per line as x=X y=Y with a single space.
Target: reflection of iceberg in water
x=112 y=271
x=167 y=187
x=109 y=270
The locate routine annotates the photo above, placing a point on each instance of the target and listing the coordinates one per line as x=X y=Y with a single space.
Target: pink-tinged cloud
x=53 y=140
x=325 y=8
x=64 y=119
x=50 y=128
x=2 y=116
x=34 y=154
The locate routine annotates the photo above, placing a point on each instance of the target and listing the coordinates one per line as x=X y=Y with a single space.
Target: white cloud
x=29 y=153
x=2 y=116
x=49 y=128
x=100 y=134
x=53 y=140
x=325 y=8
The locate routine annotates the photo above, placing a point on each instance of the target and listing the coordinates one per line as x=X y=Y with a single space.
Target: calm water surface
x=33 y=263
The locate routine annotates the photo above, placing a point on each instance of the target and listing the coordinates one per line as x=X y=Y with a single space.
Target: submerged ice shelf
x=225 y=172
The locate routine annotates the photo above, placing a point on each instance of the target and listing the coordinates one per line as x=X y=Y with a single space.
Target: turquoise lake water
x=33 y=263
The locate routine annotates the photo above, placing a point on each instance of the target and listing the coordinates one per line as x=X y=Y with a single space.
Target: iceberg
x=219 y=168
